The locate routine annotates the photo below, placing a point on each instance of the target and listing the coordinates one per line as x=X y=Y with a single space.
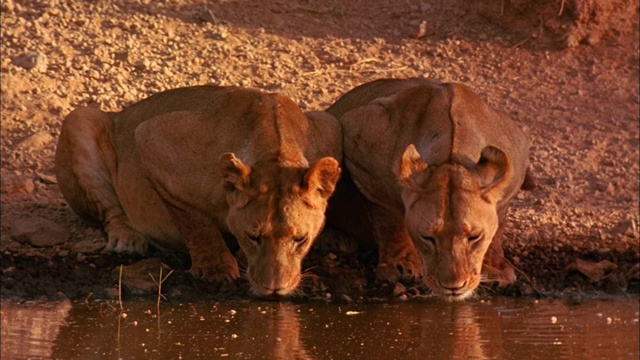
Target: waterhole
x=499 y=328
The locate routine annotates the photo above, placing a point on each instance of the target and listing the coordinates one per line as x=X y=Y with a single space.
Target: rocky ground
x=566 y=71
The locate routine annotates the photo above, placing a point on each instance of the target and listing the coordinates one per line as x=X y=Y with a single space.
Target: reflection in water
x=501 y=328
x=29 y=330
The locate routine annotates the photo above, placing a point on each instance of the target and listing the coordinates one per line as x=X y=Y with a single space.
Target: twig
x=561 y=8
x=526 y=278
x=317 y=72
x=120 y=290
x=502 y=8
x=159 y=284
x=532 y=36
x=363 y=61
x=521 y=42
x=86 y=300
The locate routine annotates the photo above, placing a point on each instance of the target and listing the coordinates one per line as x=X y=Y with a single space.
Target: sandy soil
x=576 y=96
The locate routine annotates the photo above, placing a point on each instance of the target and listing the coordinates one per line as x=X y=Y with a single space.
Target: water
x=497 y=329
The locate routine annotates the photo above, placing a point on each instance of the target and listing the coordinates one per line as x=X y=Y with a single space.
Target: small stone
x=112 y=292
x=8 y=6
x=32 y=60
x=594 y=271
x=15 y=184
x=38 y=232
x=399 y=290
x=88 y=246
x=346 y=298
x=136 y=279
x=47 y=179
x=329 y=260
x=36 y=141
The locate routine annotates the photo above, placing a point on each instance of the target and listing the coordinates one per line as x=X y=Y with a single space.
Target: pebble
x=38 y=232
x=32 y=60
x=15 y=184
x=36 y=141
x=88 y=246
x=136 y=277
x=347 y=298
x=399 y=290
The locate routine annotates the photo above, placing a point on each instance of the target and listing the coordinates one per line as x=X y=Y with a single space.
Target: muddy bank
x=576 y=100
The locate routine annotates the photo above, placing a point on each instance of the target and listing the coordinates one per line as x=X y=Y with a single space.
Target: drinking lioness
x=182 y=167
x=438 y=168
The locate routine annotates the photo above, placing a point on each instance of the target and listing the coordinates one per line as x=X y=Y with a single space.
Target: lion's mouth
x=274 y=296
x=457 y=296
x=269 y=292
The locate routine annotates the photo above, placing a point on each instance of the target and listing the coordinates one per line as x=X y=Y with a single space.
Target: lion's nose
x=454 y=287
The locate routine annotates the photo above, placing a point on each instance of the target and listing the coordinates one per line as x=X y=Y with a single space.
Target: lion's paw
x=225 y=272
x=393 y=271
x=125 y=240
x=503 y=275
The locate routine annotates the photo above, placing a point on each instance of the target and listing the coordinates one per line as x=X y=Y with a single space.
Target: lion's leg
x=211 y=259
x=397 y=256
x=85 y=166
x=495 y=266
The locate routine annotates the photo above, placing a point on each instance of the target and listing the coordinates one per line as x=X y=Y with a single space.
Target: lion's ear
x=322 y=177
x=235 y=174
x=494 y=171
x=410 y=163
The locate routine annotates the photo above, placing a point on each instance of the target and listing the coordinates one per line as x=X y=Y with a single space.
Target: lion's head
x=276 y=212
x=451 y=215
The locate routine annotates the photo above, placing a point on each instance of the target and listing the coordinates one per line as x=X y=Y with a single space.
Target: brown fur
x=438 y=167
x=185 y=166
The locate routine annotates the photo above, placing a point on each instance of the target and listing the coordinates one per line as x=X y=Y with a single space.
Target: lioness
x=438 y=168
x=185 y=166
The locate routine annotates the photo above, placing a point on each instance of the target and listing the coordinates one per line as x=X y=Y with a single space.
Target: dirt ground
x=566 y=71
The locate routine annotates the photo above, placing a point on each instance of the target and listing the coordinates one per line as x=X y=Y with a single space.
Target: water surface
x=497 y=329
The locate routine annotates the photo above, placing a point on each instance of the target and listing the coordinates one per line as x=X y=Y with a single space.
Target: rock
x=329 y=260
x=47 y=179
x=346 y=298
x=8 y=6
x=627 y=227
x=88 y=246
x=32 y=60
x=633 y=273
x=36 y=141
x=112 y=292
x=14 y=184
x=335 y=241
x=38 y=232
x=399 y=290
x=594 y=271
x=137 y=278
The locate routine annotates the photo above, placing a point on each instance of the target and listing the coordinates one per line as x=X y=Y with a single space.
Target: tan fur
x=185 y=166
x=438 y=167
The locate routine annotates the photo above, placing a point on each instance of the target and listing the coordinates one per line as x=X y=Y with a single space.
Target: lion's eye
x=475 y=238
x=300 y=239
x=428 y=239
x=254 y=238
